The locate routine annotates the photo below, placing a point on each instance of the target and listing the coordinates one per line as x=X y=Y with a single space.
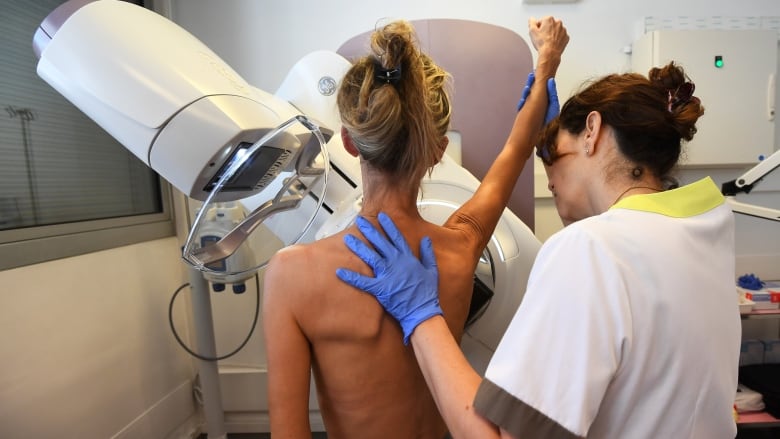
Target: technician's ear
x=349 y=145
x=592 y=131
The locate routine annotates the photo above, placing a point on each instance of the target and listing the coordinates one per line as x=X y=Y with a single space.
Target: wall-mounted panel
x=734 y=72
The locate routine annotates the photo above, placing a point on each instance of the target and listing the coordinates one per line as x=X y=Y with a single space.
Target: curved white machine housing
x=157 y=89
x=183 y=111
x=504 y=269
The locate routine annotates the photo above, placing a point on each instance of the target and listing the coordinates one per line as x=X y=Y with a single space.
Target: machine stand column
x=208 y=371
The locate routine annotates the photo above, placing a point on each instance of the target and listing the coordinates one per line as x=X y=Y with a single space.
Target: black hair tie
x=387 y=76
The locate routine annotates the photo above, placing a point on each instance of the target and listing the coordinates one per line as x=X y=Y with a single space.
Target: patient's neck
x=386 y=194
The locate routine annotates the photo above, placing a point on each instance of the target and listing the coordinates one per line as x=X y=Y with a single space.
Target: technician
x=629 y=327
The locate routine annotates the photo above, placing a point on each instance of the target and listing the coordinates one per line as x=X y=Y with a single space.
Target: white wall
x=86 y=350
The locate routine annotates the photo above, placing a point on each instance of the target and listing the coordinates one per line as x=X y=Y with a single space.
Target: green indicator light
x=718 y=61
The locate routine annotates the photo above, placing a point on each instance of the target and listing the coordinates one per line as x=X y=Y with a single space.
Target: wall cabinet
x=734 y=73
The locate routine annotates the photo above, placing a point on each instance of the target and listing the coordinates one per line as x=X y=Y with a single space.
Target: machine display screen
x=251 y=172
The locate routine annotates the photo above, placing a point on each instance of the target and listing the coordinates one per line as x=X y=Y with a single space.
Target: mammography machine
x=266 y=167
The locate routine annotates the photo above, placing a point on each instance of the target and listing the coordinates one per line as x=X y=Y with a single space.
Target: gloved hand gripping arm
x=405 y=286
x=553 y=106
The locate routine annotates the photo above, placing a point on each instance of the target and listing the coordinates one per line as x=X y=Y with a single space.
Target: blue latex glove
x=526 y=90
x=553 y=106
x=406 y=287
x=750 y=282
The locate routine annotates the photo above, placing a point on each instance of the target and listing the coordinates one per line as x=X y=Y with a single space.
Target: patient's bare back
x=368 y=381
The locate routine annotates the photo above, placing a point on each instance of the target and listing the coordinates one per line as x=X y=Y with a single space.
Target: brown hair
x=394 y=104
x=650 y=116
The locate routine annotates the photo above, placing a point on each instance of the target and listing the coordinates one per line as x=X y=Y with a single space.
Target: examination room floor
x=758 y=433
x=262 y=436
x=743 y=433
x=752 y=433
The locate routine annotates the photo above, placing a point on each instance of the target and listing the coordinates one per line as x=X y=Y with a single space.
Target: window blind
x=57 y=165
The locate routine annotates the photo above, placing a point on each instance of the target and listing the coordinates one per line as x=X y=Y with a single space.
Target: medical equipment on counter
x=746 y=182
x=178 y=107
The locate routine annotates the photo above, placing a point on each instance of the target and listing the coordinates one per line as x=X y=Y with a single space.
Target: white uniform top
x=629 y=328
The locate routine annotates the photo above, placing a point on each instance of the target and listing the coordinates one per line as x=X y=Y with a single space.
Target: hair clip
x=388 y=76
x=682 y=95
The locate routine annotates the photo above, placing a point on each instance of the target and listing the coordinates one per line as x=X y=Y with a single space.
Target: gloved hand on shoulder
x=553 y=106
x=405 y=286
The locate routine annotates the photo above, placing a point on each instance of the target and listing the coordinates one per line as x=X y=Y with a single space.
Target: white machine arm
x=746 y=182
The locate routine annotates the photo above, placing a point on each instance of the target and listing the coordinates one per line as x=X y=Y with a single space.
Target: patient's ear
x=349 y=145
x=445 y=141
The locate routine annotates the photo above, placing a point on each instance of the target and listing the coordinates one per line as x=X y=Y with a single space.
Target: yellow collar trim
x=687 y=201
